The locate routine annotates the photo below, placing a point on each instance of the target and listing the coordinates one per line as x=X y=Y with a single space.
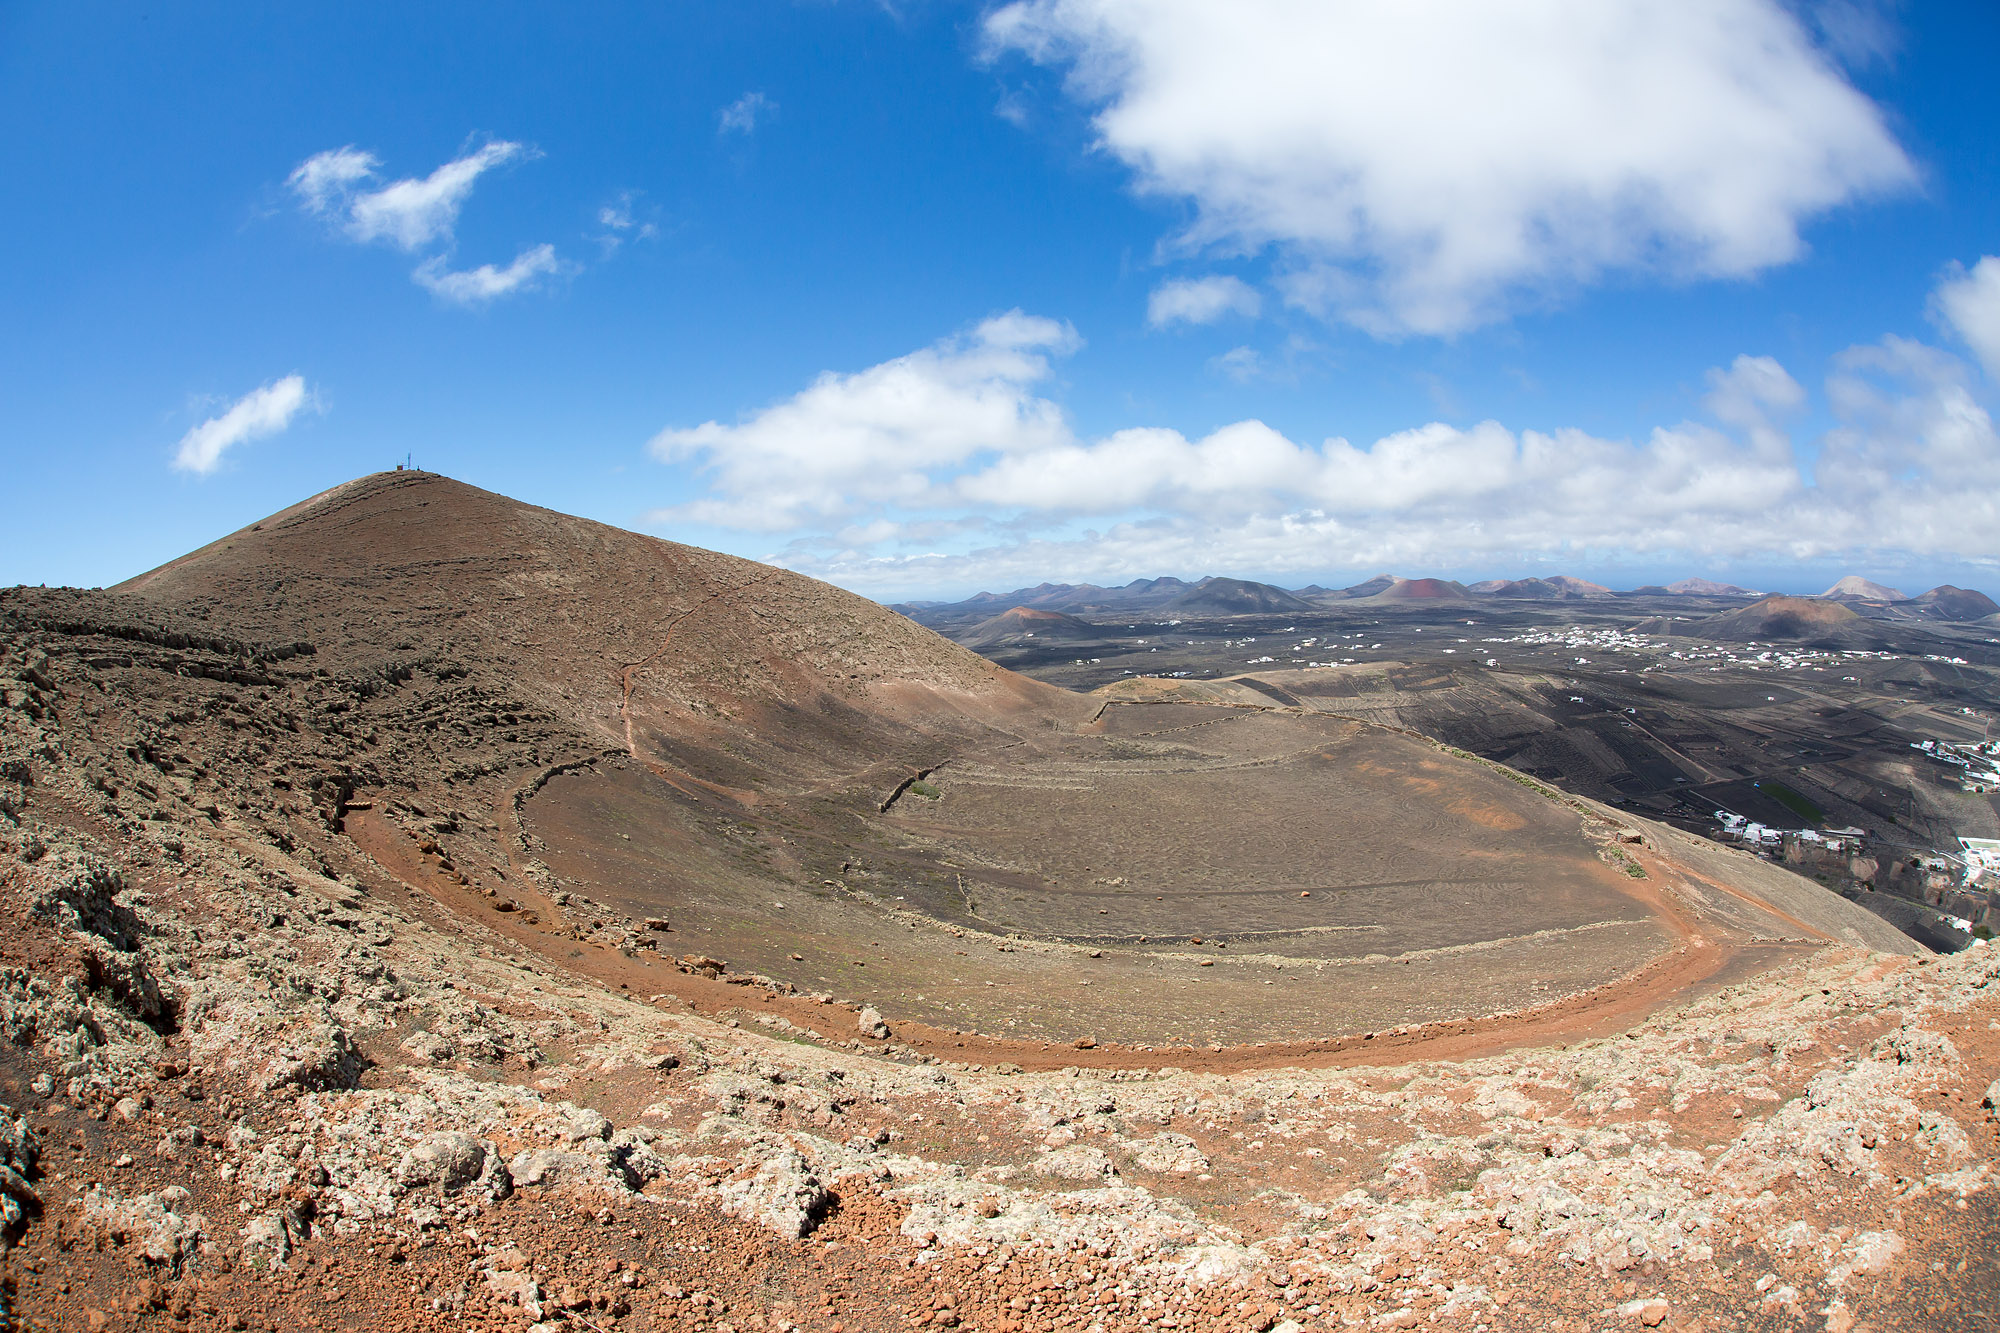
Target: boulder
x=448 y=1159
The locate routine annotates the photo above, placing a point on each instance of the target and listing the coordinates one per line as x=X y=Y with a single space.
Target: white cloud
x=1858 y=32
x=876 y=436
x=413 y=213
x=620 y=221
x=417 y=213
x=951 y=466
x=409 y=213
x=1969 y=303
x=1200 y=301
x=742 y=115
x=1426 y=167
x=1241 y=364
x=325 y=181
x=477 y=286
x=1749 y=395
x=259 y=413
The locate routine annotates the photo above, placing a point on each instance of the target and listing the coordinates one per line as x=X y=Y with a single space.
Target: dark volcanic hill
x=1533 y=590
x=1140 y=595
x=1777 y=618
x=1699 y=587
x=1024 y=622
x=1234 y=597
x=1571 y=586
x=1557 y=587
x=1370 y=587
x=1946 y=602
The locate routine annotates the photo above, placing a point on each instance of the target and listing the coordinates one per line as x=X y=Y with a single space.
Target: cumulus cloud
x=409 y=213
x=741 y=116
x=877 y=436
x=259 y=413
x=1753 y=395
x=952 y=465
x=1969 y=304
x=476 y=286
x=1426 y=167
x=1200 y=301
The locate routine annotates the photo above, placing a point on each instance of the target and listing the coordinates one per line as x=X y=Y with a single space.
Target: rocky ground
x=246 y=1087
x=253 y=1077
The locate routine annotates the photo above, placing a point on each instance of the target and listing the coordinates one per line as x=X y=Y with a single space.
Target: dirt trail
x=1702 y=955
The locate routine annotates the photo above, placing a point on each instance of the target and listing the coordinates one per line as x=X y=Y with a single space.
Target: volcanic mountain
x=1536 y=590
x=1420 y=591
x=595 y=702
x=1946 y=602
x=449 y=913
x=1775 y=618
x=1023 y=622
x=1700 y=587
x=1369 y=587
x=1557 y=587
x=1854 y=588
x=1234 y=597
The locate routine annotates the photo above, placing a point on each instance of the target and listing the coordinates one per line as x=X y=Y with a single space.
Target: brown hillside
x=636 y=642
x=1777 y=617
x=431 y=912
x=1022 y=622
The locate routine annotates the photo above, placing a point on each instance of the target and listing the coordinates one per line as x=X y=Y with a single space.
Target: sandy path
x=1703 y=954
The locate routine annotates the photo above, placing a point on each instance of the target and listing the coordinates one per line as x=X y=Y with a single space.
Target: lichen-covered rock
x=641 y=1163
x=581 y=1124
x=20 y=1147
x=1168 y=1152
x=1078 y=1161
x=151 y=1223
x=593 y=1166
x=510 y=1287
x=1869 y=1254
x=1918 y=1046
x=428 y=1047
x=447 y=1159
x=74 y=889
x=17 y=1199
x=322 y=1058
x=270 y=1237
x=781 y=1192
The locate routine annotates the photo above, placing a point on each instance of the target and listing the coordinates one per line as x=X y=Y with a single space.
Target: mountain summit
x=1856 y=588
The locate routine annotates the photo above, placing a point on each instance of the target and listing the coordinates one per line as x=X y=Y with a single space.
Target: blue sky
x=931 y=297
